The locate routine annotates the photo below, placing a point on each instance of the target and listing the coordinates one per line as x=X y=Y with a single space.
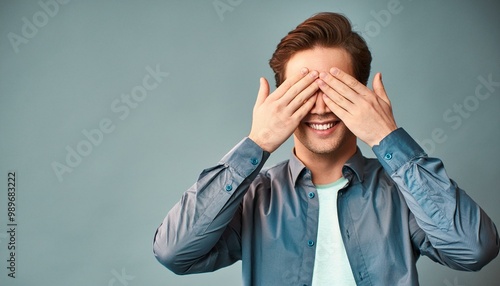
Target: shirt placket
x=350 y=235
x=311 y=233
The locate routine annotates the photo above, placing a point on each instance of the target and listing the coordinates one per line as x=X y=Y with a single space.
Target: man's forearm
x=188 y=234
x=461 y=235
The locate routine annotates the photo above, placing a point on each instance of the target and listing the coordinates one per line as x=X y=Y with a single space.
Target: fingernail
x=304 y=71
x=334 y=71
x=322 y=74
x=314 y=74
x=320 y=82
x=380 y=76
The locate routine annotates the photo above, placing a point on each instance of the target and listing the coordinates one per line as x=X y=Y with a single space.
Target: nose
x=319 y=106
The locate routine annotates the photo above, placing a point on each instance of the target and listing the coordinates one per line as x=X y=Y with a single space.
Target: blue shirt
x=394 y=208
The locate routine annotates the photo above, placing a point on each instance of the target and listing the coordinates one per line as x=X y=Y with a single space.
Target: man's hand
x=277 y=115
x=367 y=113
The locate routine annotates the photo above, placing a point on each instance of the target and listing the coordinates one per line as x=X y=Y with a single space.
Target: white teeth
x=321 y=126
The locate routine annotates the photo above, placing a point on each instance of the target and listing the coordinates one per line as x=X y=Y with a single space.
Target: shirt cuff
x=397 y=149
x=245 y=157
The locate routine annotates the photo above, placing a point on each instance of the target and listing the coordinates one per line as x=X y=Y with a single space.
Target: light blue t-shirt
x=331 y=266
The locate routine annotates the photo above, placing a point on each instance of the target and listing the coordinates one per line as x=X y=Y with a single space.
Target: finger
x=304 y=108
x=288 y=83
x=349 y=82
x=298 y=87
x=379 y=89
x=263 y=91
x=338 y=110
x=341 y=100
x=342 y=91
x=300 y=99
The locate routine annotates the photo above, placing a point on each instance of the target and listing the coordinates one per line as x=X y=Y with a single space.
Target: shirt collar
x=355 y=164
x=296 y=167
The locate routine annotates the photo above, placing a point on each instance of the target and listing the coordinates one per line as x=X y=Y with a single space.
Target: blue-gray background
x=95 y=224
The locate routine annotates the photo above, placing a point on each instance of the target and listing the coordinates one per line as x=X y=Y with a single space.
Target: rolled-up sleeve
x=452 y=228
x=201 y=233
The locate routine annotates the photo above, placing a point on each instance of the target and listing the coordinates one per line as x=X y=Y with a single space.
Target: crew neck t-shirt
x=331 y=265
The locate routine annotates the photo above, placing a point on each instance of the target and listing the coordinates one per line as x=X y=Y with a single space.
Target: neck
x=325 y=168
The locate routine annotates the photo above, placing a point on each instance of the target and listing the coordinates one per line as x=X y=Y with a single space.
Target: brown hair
x=325 y=29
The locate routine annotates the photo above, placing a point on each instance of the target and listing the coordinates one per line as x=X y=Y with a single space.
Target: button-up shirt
x=393 y=209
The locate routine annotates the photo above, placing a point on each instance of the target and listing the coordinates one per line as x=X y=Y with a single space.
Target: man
x=327 y=216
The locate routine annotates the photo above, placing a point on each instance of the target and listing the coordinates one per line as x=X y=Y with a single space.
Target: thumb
x=263 y=91
x=379 y=89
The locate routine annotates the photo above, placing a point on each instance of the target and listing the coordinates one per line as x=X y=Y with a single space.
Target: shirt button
x=254 y=161
x=310 y=243
x=229 y=188
x=311 y=195
x=388 y=156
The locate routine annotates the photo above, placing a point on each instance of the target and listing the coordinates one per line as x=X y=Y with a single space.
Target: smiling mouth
x=322 y=126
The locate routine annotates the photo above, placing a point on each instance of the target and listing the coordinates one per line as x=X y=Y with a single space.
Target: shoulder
x=278 y=168
x=376 y=178
x=274 y=172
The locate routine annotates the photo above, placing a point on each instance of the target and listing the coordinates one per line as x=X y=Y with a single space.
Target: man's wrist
x=245 y=157
x=397 y=149
x=383 y=135
x=262 y=143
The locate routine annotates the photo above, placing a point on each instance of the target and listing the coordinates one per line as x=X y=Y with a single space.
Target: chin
x=323 y=149
x=341 y=140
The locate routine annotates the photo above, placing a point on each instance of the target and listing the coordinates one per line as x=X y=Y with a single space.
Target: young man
x=327 y=216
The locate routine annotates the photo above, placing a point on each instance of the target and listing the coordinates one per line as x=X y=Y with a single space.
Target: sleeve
x=449 y=227
x=201 y=233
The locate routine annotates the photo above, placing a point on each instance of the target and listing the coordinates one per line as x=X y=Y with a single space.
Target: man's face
x=321 y=131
